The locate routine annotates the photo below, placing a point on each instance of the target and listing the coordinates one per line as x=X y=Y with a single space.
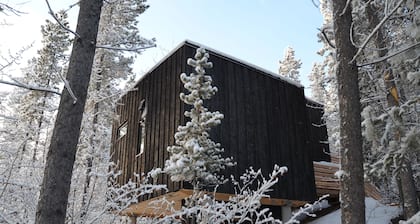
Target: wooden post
x=286 y=213
x=133 y=219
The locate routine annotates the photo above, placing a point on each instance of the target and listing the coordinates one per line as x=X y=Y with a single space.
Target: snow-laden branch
x=29 y=87
x=134 y=49
x=309 y=210
x=67 y=86
x=413 y=220
x=51 y=12
x=5 y=7
x=381 y=59
x=376 y=30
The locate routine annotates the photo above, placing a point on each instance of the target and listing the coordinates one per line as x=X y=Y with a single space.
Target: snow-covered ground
x=376 y=213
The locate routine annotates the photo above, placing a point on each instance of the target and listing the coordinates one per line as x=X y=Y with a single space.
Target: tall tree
x=316 y=76
x=352 y=192
x=289 y=66
x=120 y=41
x=32 y=114
x=55 y=187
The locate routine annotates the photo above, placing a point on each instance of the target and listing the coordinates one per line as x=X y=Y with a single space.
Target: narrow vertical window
x=122 y=130
x=141 y=127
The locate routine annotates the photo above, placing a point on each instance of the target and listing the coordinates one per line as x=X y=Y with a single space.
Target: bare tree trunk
x=55 y=187
x=352 y=192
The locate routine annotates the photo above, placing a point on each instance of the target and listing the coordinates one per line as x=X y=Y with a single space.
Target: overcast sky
x=257 y=31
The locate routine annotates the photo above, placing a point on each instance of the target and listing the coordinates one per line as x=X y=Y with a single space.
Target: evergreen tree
x=289 y=66
x=31 y=114
x=318 y=91
x=328 y=79
x=196 y=158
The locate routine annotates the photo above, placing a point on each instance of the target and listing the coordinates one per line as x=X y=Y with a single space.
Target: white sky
x=256 y=31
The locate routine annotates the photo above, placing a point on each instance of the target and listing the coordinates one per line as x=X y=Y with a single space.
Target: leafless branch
x=381 y=59
x=315 y=4
x=8 y=117
x=68 y=88
x=29 y=87
x=326 y=38
x=376 y=30
x=345 y=7
x=5 y=7
x=72 y=5
x=135 y=49
x=51 y=12
x=12 y=165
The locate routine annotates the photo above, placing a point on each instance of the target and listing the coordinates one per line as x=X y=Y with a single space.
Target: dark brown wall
x=265 y=122
x=318 y=132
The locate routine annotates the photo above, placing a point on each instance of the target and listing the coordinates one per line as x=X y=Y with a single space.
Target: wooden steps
x=327 y=183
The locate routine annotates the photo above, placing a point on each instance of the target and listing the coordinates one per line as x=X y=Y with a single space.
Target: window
x=141 y=127
x=122 y=130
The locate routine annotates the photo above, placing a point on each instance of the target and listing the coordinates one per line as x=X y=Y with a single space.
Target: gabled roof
x=226 y=56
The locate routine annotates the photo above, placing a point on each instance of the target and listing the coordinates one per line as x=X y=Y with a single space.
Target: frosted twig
x=51 y=12
x=9 y=8
x=12 y=165
x=390 y=55
x=345 y=7
x=67 y=86
x=29 y=87
x=375 y=30
x=309 y=209
x=315 y=4
x=72 y=5
x=135 y=49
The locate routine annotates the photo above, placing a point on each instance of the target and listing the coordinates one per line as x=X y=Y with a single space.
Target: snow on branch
x=29 y=87
x=69 y=90
x=134 y=49
x=413 y=220
x=52 y=13
x=309 y=210
x=376 y=30
x=381 y=59
x=4 y=7
x=243 y=207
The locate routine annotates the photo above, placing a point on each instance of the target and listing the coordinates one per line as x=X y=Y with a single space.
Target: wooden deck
x=327 y=183
x=158 y=206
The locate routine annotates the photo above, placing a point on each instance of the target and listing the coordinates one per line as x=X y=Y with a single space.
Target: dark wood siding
x=317 y=132
x=265 y=123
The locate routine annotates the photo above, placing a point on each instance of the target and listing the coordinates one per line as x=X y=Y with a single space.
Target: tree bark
x=352 y=192
x=55 y=187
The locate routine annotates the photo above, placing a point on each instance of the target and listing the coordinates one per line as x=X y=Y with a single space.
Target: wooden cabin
x=267 y=121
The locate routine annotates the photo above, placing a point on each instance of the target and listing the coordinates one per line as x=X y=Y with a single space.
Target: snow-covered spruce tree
x=318 y=91
x=328 y=79
x=289 y=66
x=195 y=157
